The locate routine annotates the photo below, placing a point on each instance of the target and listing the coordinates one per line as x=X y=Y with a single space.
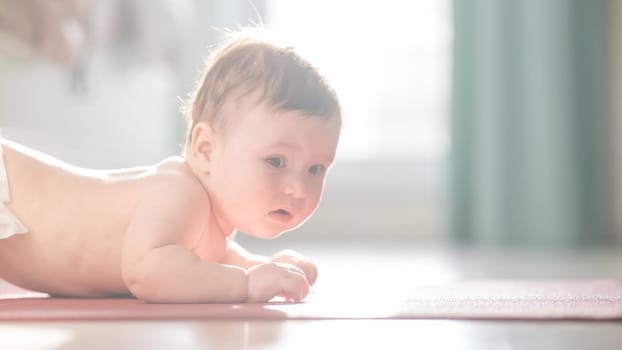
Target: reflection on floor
x=370 y=274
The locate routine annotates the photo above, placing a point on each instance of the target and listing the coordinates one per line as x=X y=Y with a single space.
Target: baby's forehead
x=318 y=133
x=239 y=110
x=267 y=124
x=297 y=119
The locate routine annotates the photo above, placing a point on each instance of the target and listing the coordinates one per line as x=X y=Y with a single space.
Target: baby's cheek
x=314 y=201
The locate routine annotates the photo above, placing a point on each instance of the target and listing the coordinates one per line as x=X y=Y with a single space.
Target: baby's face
x=268 y=169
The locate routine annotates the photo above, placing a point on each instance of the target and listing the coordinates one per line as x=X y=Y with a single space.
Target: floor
x=370 y=272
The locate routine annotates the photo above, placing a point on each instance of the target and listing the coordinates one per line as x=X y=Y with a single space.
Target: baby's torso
x=76 y=220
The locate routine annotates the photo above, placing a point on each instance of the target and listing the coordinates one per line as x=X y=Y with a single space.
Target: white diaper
x=9 y=224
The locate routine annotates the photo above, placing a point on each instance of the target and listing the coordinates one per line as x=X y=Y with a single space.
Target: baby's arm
x=172 y=273
x=238 y=256
x=159 y=266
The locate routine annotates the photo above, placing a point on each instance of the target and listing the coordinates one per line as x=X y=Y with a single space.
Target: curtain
x=530 y=138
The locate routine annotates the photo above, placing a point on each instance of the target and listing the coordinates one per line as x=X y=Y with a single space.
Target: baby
x=263 y=130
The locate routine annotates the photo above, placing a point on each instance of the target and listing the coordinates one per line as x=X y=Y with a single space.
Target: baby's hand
x=266 y=281
x=297 y=259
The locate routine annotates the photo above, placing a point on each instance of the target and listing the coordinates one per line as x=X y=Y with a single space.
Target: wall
x=615 y=98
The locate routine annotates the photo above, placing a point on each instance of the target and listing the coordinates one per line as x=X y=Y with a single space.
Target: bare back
x=76 y=220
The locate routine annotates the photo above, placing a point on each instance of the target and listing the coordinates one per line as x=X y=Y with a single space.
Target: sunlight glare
x=389 y=64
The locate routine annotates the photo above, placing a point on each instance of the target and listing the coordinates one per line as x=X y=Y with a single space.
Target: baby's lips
x=281 y=215
x=286 y=211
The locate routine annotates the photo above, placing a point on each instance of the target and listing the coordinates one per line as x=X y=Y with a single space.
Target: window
x=389 y=62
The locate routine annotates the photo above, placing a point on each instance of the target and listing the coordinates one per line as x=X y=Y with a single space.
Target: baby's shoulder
x=173 y=181
x=172 y=206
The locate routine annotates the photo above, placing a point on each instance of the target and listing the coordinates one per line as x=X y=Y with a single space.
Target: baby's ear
x=201 y=145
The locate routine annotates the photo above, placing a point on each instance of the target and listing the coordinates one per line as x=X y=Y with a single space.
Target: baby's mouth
x=281 y=215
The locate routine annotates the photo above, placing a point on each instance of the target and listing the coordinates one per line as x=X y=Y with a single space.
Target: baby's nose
x=295 y=187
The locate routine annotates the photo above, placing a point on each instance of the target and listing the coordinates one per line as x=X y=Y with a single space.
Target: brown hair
x=247 y=64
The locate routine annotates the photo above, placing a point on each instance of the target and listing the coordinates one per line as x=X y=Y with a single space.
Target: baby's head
x=276 y=75
x=263 y=130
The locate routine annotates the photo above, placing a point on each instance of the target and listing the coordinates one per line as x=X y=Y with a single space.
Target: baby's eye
x=316 y=169
x=276 y=162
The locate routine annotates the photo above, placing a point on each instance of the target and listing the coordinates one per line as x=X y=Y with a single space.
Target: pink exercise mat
x=488 y=299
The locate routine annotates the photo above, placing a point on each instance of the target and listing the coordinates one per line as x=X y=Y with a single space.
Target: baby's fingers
x=266 y=281
x=291 y=257
x=295 y=287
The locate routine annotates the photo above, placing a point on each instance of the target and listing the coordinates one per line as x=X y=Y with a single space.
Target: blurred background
x=473 y=123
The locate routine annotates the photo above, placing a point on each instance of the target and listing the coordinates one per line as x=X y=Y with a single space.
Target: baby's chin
x=271 y=227
x=269 y=233
x=266 y=235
